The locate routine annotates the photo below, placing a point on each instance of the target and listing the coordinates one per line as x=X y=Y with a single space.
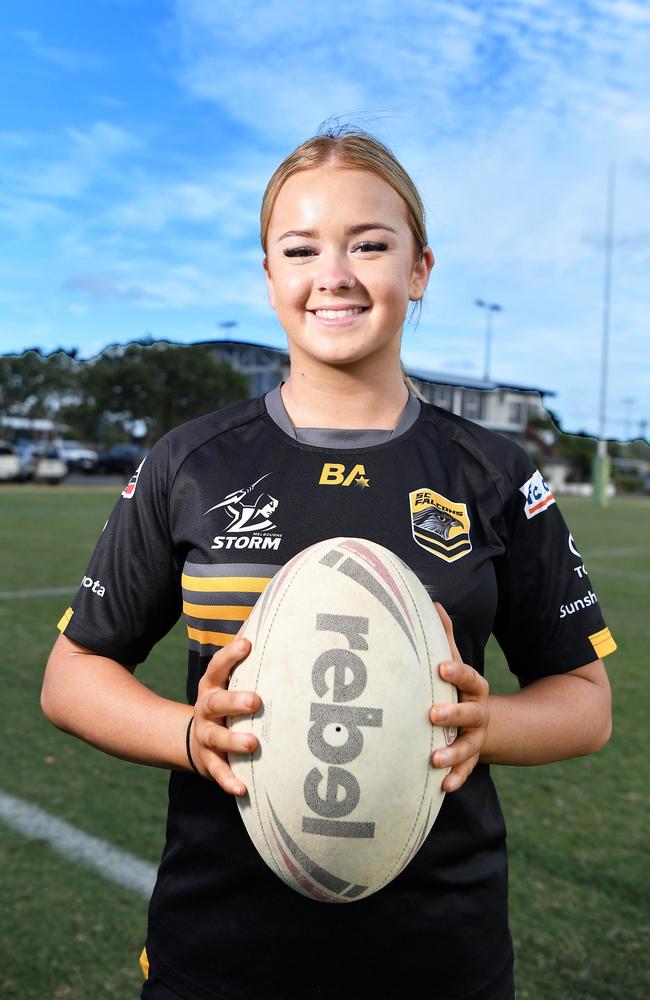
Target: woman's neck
x=342 y=398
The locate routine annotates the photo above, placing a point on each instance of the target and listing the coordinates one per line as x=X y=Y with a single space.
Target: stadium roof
x=436 y=378
x=469 y=382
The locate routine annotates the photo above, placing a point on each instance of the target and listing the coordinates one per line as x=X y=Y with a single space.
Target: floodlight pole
x=490 y=307
x=227 y=325
x=600 y=468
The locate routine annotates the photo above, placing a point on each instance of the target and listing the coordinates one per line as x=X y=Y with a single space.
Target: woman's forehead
x=338 y=193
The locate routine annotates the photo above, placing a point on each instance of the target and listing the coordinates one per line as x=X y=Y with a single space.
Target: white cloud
x=58 y=167
x=277 y=67
x=23 y=215
x=507 y=114
x=70 y=60
x=107 y=287
x=90 y=154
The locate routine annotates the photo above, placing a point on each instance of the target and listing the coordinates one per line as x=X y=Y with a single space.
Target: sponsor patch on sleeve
x=603 y=643
x=63 y=624
x=130 y=487
x=537 y=495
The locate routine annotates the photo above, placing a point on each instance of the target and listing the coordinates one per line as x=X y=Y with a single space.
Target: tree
x=160 y=384
x=33 y=384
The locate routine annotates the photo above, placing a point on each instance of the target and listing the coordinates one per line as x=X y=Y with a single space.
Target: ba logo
x=439 y=525
x=335 y=474
x=538 y=495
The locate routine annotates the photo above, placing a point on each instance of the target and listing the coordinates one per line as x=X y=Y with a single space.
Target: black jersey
x=216 y=509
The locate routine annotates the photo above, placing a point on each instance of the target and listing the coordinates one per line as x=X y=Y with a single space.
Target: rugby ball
x=346 y=644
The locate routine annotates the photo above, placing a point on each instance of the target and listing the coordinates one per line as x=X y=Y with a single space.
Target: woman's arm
x=100 y=701
x=553 y=718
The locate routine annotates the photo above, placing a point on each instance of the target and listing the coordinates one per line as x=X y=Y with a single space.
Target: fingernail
x=451 y=784
x=441 y=714
x=249 y=701
x=239 y=789
x=447 y=669
x=443 y=758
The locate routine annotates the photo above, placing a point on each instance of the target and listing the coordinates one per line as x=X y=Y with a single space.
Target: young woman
x=222 y=503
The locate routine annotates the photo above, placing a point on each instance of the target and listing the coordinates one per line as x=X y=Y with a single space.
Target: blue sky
x=136 y=138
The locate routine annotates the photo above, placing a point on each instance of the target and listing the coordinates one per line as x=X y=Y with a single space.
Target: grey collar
x=337 y=437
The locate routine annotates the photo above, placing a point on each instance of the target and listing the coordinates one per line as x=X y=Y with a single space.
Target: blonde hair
x=348 y=149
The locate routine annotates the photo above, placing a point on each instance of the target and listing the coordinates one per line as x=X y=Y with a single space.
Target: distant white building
x=265 y=367
x=503 y=408
x=32 y=426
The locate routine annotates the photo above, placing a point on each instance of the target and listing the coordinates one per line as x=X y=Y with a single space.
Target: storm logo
x=249 y=509
x=439 y=525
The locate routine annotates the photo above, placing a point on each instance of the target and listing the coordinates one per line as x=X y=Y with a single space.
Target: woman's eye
x=368 y=247
x=299 y=252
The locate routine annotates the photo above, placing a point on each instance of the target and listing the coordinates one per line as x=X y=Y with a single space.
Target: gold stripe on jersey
x=603 y=643
x=65 y=620
x=144 y=963
x=224 y=612
x=444 y=546
x=254 y=584
x=210 y=638
x=218 y=598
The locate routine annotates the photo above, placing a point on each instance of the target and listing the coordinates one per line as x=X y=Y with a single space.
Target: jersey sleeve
x=548 y=617
x=130 y=595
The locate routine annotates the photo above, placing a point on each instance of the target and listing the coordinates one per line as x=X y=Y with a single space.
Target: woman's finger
x=221 y=703
x=462 y=715
x=459 y=775
x=463 y=748
x=465 y=678
x=222 y=740
x=224 y=662
x=219 y=770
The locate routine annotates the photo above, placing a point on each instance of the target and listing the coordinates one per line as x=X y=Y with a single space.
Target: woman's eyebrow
x=305 y=233
x=362 y=227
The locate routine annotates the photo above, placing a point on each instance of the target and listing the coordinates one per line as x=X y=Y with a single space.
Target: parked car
x=9 y=462
x=40 y=463
x=76 y=456
x=121 y=459
x=48 y=467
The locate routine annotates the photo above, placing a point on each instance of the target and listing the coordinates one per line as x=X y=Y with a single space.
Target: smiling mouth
x=339 y=313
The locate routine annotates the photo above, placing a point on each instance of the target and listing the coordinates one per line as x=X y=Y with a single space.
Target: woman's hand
x=471 y=715
x=210 y=738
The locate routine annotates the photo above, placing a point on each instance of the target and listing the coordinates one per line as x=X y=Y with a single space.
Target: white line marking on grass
x=12 y=595
x=636 y=550
x=108 y=861
x=627 y=574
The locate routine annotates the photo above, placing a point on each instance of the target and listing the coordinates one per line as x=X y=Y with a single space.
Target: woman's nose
x=334 y=275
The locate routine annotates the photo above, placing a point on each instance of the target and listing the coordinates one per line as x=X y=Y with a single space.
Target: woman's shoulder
x=500 y=456
x=178 y=443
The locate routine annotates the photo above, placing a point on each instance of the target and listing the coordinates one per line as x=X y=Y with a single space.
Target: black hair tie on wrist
x=187 y=747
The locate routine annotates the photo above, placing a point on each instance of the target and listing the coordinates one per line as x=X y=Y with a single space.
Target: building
x=265 y=367
x=503 y=408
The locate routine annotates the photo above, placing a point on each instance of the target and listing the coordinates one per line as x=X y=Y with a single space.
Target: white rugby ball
x=346 y=644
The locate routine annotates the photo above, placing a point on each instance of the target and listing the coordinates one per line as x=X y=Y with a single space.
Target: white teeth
x=337 y=313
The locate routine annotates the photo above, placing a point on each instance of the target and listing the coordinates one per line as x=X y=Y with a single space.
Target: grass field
x=580 y=887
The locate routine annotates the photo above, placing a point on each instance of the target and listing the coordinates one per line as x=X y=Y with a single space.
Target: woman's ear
x=420 y=274
x=269 y=282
